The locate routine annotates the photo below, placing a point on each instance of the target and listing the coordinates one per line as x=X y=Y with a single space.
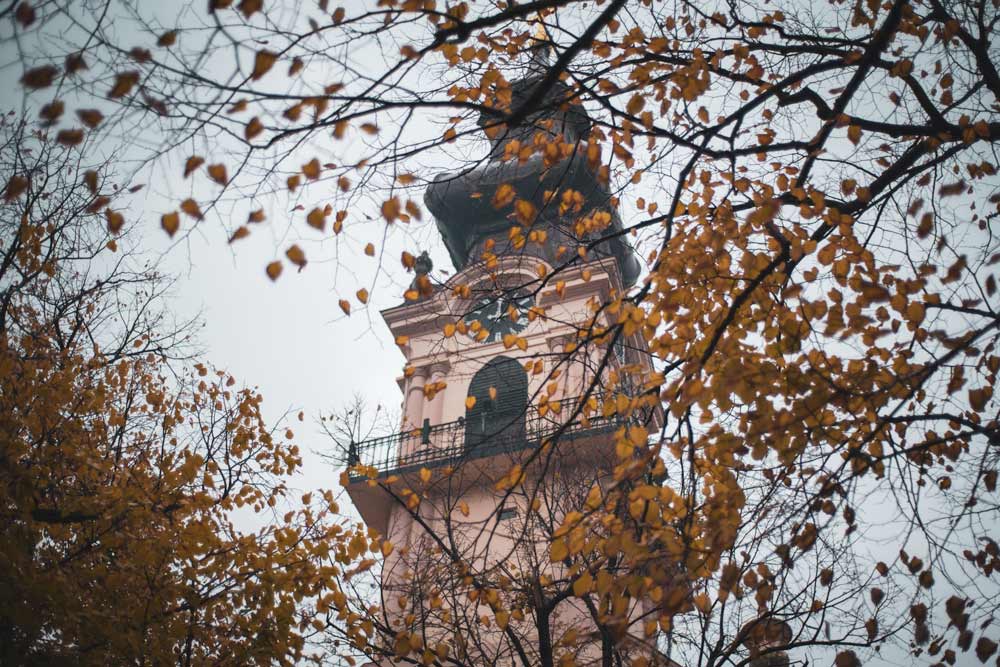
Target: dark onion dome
x=462 y=202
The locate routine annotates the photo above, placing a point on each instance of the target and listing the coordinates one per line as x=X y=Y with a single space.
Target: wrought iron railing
x=454 y=442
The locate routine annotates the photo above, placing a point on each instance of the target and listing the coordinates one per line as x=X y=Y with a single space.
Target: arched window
x=497 y=421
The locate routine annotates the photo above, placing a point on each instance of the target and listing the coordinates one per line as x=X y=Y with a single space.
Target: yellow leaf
x=170 y=222
x=386 y=548
x=402 y=340
x=525 y=211
x=463 y=507
x=449 y=330
x=559 y=551
x=583 y=584
x=262 y=63
x=425 y=475
x=470 y=402
x=503 y=195
x=274 y=270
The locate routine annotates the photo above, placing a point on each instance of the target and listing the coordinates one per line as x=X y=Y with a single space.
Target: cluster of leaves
x=814 y=190
x=125 y=463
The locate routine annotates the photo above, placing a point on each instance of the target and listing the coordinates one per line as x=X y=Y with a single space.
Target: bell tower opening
x=497 y=418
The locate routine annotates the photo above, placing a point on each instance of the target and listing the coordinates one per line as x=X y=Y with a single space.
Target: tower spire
x=540 y=49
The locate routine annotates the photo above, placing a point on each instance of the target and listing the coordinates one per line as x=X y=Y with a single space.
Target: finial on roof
x=541 y=46
x=421 y=283
x=423 y=264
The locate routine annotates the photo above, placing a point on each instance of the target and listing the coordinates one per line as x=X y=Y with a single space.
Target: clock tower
x=509 y=364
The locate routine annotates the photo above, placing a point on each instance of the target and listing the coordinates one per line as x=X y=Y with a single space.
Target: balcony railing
x=455 y=442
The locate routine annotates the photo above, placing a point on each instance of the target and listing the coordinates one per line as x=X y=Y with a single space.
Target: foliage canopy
x=813 y=190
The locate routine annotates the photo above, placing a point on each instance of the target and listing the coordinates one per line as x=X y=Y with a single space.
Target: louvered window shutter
x=497 y=422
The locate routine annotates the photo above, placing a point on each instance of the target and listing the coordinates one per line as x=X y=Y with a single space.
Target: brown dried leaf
x=72 y=137
x=16 y=186
x=52 y=112
x=167 y=39
x=171 y=222
x=124 y=83
x=115 y=220
x=250 y=7
x=75 y=63
x=296 y=256
x=90 y=178
x=274 y=270
x=316 y=219
x=25 y=14
x=311 y=169
x=217 y=172
x=90 y=117
x=192 y=163
x=40 y=77
x=191 y=208
x=241 y=233
x=262 y=63
x=253 y=128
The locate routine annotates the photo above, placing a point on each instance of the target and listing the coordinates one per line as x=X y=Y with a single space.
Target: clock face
x=494 y=314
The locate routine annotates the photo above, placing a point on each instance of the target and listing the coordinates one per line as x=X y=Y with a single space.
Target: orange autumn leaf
x=217 y=172
x=253 y=128
x=192 y=164
x=296 y=256
x=191 y=208
x=170 y=222
x=115 y=220
x=241 y=233
x=123 y=84
x=263 y=62
x=90 y=117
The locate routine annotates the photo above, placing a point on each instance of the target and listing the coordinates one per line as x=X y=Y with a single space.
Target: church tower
x=508 y=366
